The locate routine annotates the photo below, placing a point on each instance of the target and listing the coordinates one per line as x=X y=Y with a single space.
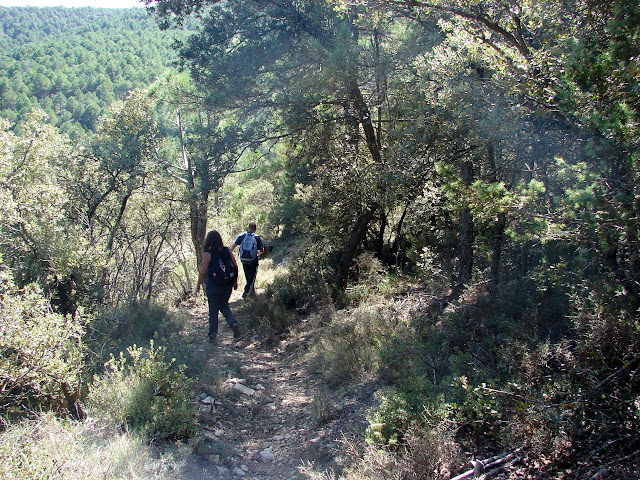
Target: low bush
x=499 y=372
x=370 y=280
x=299 y=284
x=41 y=353
x=351 y=343
x=269 y=318
x=429 y=452
x=145 y=393
x=292 y=292
x=133 y=324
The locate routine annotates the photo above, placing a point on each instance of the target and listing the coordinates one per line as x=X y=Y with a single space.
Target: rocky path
x=266 y=416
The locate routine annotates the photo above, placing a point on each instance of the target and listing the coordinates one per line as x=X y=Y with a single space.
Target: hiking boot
x=213 y=340
x=236 y=330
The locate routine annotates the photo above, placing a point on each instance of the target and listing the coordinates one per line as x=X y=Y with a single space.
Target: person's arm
x=204 y=267
x=236 y=243
x=233 y=259
x=260 y=246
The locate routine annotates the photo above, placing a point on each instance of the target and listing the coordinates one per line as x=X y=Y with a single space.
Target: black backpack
x=222 y=270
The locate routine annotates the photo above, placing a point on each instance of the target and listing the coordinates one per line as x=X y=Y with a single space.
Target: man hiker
x=251 y=248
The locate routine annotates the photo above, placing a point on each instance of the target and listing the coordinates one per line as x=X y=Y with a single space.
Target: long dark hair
x=212 y=242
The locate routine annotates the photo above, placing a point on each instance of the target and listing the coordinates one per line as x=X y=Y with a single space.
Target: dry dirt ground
x=283 y=420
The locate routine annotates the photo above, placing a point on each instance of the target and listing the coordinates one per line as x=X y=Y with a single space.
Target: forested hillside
x=448 y=192
x=73 y=63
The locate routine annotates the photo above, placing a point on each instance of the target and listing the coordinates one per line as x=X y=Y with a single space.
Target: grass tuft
x=52 y=448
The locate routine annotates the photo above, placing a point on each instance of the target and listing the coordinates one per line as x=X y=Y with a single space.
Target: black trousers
x=250 y=272
x=218 y=299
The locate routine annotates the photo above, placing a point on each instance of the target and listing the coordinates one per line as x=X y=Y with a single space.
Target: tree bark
x=395 y=246
x=359 y=229
x=464 y=267
x=496 y=252
x=153 y=262
x=380 y=240
x=497 y=239
x=123 y=207
x=198 y=210
x=355 y=239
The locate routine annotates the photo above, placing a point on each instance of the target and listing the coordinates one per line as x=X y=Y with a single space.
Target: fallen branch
x=493 y=390
x=305 y=308
x=632 y=364
x=588 y=460
x=581 y=398
x=481 y=467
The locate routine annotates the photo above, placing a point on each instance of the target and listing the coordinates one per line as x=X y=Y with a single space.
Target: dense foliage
x=462 y=176
x=491 y=140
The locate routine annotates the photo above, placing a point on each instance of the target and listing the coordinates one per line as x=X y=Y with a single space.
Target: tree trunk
x=153 y=262
x=364 y=117
x=496 y=252
x=497 y=239
x=358 y=112
x=464 y=267
x=355 y=239
x=524 y=258
x=362 y=223
x=123 y=207
x=198 y=210
x=395 y=247
x=380 y=240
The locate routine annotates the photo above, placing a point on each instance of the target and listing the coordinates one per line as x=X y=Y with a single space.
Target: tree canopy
x=73 y=63
x=451 y=186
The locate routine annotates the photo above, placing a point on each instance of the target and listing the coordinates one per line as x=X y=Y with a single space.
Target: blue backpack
x=222 y=271
x=249 y=248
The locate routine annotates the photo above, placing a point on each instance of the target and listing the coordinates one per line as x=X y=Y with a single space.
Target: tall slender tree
x=206 y=149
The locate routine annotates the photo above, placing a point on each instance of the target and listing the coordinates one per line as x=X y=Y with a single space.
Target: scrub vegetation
x=449 y=196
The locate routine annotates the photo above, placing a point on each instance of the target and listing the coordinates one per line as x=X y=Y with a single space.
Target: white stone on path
x=267 y=455
x=238 y=385
x=244 y=389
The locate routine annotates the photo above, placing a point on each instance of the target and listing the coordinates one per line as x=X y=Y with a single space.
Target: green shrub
x=403 y=407
x=146 y=393
x=370 y=282
x=299 y=284
x=293 y=291
x=352 y=343
x=323 y=407
x=134 y=324
x=41 y=352
x=430 y=452
x=411 y=435
x=269 y=317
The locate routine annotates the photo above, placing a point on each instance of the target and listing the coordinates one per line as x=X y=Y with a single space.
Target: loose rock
x=267 y=455
x=244 y=389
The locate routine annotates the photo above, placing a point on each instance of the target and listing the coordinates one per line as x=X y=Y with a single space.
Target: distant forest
x=73 y=63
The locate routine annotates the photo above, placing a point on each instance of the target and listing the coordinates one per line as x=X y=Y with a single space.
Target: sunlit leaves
x=41 y=352
x=35 y=231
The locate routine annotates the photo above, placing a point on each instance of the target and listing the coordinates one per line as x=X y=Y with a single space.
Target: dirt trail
x=271 y=429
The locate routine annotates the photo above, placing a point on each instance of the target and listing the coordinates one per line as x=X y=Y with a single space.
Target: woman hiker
x=220 y=269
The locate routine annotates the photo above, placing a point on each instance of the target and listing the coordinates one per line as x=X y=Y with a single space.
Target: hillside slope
x=73 y=63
